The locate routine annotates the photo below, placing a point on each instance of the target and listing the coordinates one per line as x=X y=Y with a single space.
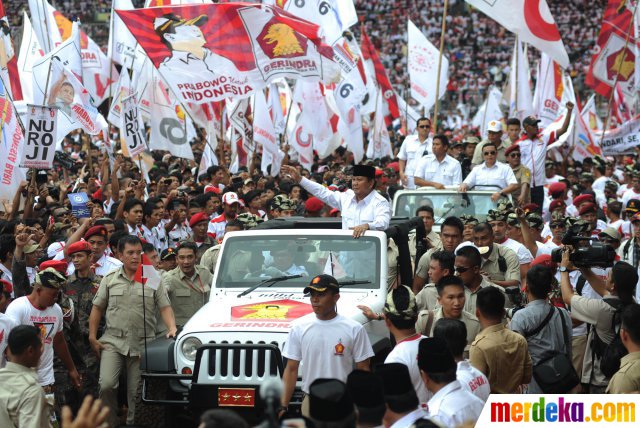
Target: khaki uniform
x=433 y=240
x=469 y=320
x=471 y=296
x=523 y=175
x=492 y=267
x=187 y=295
x=121 y=300
x=627 y=379
x=210 y=258
x=427 y=298
x=503 y=356
x=22 y=399
x=477 y=154
x=392 y=262
x=423 y=264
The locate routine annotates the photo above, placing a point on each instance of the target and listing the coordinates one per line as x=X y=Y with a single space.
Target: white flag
x=547 y=98
x=11 y=147
x=590 y=115
x=423 y=68
x=123 y=90
x=40 y=144
x=279 y=102
x=379 y=142
x=264 y=134
x=521 y=100
x=122 y=44
x=30 y=53
x=43 y=20
x=489 y=110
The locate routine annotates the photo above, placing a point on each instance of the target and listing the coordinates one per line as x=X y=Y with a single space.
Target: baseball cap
x=494 y=126
x=230 y=198
x=322 y=283
x=633 y=205
x=166 y=253
x=407 y=313
x=30 y=248
x=531 y=120
x=611 y=232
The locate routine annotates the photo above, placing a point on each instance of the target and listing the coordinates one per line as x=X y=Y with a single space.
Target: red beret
x=313 y=205
x=556 y=189
x=198 y=218
x=211 y=188
x=76 y=247
x=97 y=194
x=556 y=203
x=530 y=207
x=334 y=212
x=511 y=148
x=379 y=172
x=7 y=287
x=587 y=208
x=581 y=199
x=394 y=166
x=544 y=260
x=59 y=265
x=96 y=230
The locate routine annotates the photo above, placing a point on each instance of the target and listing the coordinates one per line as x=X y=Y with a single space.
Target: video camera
x=517 y=299
x=587 y=252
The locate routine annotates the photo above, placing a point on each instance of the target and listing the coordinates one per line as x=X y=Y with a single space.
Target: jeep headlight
x=190 y=348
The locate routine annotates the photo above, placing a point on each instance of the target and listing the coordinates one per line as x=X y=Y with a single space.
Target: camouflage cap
x=505 y=205
x=50 y=278
x=468 y=219
x=579 y=225
x=558 y=217
x=408 y=313
x=248 y=220
x=611 y=185
x=535 y=220
x=282 y=202
x=497 y=215
x=513 y=220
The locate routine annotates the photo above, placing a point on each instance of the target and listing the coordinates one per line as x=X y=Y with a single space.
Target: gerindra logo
x=578 y=410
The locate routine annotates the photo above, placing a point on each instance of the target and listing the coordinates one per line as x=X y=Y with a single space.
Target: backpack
x=609 y=354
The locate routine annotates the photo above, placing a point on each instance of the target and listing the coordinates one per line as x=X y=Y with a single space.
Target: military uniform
x=627 y=379
x=427 y=298
x=470 y=321
x=76 y=301
x=187 y=295
x=471 y=296
x=210 y=258
x=510 y=271
x=22 y=400
x=121 y=300
x=523 y=175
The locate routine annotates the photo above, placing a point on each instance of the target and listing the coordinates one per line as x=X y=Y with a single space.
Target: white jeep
x=233 y=344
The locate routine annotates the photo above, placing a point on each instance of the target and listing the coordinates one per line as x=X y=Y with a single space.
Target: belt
x=49 y=389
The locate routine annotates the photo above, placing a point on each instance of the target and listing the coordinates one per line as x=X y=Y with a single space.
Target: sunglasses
x=461 y=269
x=489 y=153
x=424 y=126
x=556 y=226
x=515 y=155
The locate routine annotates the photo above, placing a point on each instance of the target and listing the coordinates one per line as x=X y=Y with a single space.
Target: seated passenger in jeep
x=283 y=264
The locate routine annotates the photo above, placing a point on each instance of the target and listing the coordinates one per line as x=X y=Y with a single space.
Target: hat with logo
x=231 y=198
x=96 y=230
x=531 y=121
x=635 y=218
x=77 y=247
x=494 y=126
x=166 y=253
x=364 y=171
x=434 y=356
x=329 y=401
x=399 y=392
x=633 y=205
x=401 y=303
x=322 y=283
x=610 y=232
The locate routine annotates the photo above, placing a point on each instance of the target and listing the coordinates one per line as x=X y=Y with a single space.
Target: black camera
x=587 y=252
x=65 y=160
x=517 y=299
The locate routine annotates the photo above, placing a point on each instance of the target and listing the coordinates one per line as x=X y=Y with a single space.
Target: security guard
x=120 y=297
x=500 y=263
x=188 y=285
x=76 y=303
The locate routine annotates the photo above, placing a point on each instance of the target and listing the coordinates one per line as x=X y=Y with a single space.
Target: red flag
x=147 y=274
x=612 y=57
x=369 y=53
x=12 y=63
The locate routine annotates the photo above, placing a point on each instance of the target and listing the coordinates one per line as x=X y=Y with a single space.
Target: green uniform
x=187 y=295
x=427 y=320
x=121 y=300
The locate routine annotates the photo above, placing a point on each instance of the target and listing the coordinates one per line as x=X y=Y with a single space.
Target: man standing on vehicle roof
x=361 y=207
x=329 y=344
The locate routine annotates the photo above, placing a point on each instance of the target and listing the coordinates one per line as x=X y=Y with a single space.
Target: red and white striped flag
x=147 y=274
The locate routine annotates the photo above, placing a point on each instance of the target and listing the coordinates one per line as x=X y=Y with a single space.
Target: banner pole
x=615 y=81
x=436 y=105
x=516 y=54
x=111 y=58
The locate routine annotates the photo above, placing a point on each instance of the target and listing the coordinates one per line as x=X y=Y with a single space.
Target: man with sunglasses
x=491 y=174
x=521 y=195
x=494 y=135
x=412 y=149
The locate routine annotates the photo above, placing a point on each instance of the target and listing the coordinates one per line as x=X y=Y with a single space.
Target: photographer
x=547 y=328
x=617 y=292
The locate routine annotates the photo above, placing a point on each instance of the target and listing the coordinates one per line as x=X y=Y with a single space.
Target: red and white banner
x=531 y=20
x=379 y=141
x=423 y=68
x=11 y=147
x=547 y=97
x=146 y=274
x=590 y=115
x=264 y=134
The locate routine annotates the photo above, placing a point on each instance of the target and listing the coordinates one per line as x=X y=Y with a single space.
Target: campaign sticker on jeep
x=275 y=311
x=236 y=397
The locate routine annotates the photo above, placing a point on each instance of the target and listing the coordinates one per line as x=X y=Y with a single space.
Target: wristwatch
x=504 y=195
x=562 y=269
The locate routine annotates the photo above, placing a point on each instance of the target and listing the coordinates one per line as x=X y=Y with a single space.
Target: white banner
x=40 y=145
x=132 y=128
x=11 y=147
x=547 y=97
x=488 y=111
x=520 y=98
x=30 y=52
x=423 y=68
x=622 y=139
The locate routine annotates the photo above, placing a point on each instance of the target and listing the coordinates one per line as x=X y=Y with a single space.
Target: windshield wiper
x=268 y=283
x=357 y=282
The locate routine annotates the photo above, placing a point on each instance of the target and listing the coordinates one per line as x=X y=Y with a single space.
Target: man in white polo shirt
x=412 y=149
x=438 y=169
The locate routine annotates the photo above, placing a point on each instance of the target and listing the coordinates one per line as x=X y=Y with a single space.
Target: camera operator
x=617 y=292
x=629 y=250
x=543 y=325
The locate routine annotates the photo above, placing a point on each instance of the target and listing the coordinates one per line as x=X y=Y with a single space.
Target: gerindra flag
x=214 y=51
x=531 y=20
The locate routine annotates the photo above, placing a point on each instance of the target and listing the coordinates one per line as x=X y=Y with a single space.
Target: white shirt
x=215 y=228
x=155 y=236
x=524 y=255
x=598 y=184
x=373 y=210
x=448 y=172
x=473 y=380
x=411 y=150
x=534 y=154
x=180 y=232
x=135 y=231
x=406 y=352
x=49 y=321
x=106 y=264
x=6 y=324
x=452 y=406
x=499 y=176
x=409 y=419
x=327 y=349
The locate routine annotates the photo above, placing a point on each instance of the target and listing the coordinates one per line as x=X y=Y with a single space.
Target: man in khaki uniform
x=451 y=299
x=210 y=257
x=120 y=298
x=441 y=265
x=501 y=354
x=188 y=285
x=627 y=379
x=500 y=264
x=521 y=196
x=494 y=133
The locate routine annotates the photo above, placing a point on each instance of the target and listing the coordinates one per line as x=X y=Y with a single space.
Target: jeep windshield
x=247 y=260
x=444 y=203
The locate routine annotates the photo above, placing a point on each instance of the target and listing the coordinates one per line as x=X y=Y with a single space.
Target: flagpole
x=13 y=104
x=111 y=57
x=444 y=28
x=615 y=81
x=46 y=23
x=516 y=54
x=483 y=125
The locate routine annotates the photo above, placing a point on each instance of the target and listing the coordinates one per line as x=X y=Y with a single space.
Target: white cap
x=494 y=126
x=481 y=250
x=230 y=198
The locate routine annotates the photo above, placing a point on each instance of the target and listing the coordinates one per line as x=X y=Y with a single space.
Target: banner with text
x=132 y=127
x=622 y=139
x=40 y=146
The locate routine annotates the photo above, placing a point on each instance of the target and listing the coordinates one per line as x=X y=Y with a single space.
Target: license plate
x=236 y=397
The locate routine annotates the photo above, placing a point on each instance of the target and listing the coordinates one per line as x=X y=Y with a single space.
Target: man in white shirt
x=329 y=344
x=413 y=148
x=533 y=148
x=100 y=261
x=6 y=322
x=494 y=135
x=491 y=175
x=438 y=169
x=361 y=207
x=451 y=405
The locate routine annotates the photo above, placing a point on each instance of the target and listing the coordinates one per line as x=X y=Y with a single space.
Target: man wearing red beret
x=314 y=207
x=97 y=238
x=587 y=213
x=199 y=222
